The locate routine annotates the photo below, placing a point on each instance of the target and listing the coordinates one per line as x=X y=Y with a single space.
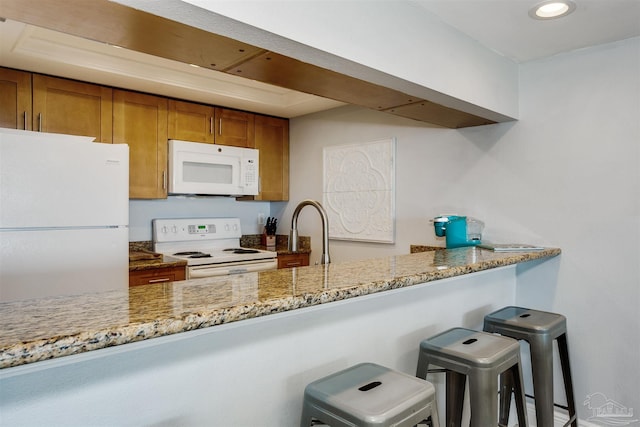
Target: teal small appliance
x=459 y=231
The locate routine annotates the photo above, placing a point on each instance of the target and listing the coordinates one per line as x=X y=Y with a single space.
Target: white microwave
x=211 y=169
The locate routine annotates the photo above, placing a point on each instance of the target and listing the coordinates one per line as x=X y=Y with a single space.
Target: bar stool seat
x=483 y=358
x=369 y=395
x=539 y=329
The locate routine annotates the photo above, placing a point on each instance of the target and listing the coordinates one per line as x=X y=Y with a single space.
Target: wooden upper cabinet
x=140 y=120
x=71 y=107
x=272 y=139
x=234 y=127
x=189 y=121
x=15 y=99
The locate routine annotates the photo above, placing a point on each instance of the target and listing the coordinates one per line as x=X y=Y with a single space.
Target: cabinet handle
x=25 y=121
x=39 y=122
x=162 y=279
x=293 y=264
x=211 y=125
x=164 y=180
x=220 y=126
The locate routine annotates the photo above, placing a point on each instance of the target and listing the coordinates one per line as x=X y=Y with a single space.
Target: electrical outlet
x=261 y=218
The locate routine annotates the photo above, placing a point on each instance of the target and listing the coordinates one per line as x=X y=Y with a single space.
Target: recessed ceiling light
x=552 y=9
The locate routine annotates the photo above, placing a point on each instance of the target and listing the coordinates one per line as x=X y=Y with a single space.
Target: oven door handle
x=198 y=272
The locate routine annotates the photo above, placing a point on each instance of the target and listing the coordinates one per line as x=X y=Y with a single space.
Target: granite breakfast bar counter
x=261 y=336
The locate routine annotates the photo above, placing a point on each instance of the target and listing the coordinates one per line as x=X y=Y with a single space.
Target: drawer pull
x=162 y=279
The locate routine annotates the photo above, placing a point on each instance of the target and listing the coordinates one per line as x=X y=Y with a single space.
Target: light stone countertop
x=41 y=329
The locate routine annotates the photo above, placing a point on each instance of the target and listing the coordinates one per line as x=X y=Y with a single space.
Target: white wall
x=566 y=175
x=141 y=212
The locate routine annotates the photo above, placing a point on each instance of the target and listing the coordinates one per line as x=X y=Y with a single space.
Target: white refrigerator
x=64 y=215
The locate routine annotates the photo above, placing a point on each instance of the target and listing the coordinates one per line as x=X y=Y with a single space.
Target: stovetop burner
x=242 y=251
x=193 y=254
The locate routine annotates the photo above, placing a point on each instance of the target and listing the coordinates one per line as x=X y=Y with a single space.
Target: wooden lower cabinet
x=140 y=120
x=15 y=99
x=293 y=260
x=156 y=275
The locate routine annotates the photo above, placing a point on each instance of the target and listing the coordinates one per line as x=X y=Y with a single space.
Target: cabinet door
x=293 y=260
x=234 y=128
x=272 y=139
x=15 y=99
x=71 y=107
x=158 y=275
x=140 y=120
x=189 y=121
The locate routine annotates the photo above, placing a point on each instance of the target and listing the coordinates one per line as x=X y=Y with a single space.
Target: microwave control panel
x=250 y=173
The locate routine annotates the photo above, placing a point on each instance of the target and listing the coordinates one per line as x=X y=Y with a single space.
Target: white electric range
x=211 y=246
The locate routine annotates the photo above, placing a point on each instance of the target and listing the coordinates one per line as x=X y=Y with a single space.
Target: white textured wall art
x=359 y=191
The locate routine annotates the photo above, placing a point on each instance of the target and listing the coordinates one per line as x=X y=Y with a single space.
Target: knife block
x=269 y=241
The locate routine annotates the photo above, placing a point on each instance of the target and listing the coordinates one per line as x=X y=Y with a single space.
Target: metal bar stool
x=482 y=357
x=539 y=329
x=369 y=395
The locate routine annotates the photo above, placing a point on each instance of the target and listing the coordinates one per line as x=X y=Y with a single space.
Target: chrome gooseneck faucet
x=293 y=234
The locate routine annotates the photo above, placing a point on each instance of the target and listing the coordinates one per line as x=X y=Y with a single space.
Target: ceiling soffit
x=140 y=31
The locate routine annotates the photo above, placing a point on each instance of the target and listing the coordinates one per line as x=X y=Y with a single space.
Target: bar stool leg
x=542 y=366
x=483 y=393
x=455 y=392
x=563 y=350
x=506 y=387
x=511 y=382
x=423 y=366
x=518 y=392
x=305 y=419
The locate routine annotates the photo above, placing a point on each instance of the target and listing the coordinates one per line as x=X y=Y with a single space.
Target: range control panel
x=185 y=229
x=201 y=228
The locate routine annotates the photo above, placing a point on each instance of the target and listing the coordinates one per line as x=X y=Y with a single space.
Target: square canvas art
x=359 y=191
